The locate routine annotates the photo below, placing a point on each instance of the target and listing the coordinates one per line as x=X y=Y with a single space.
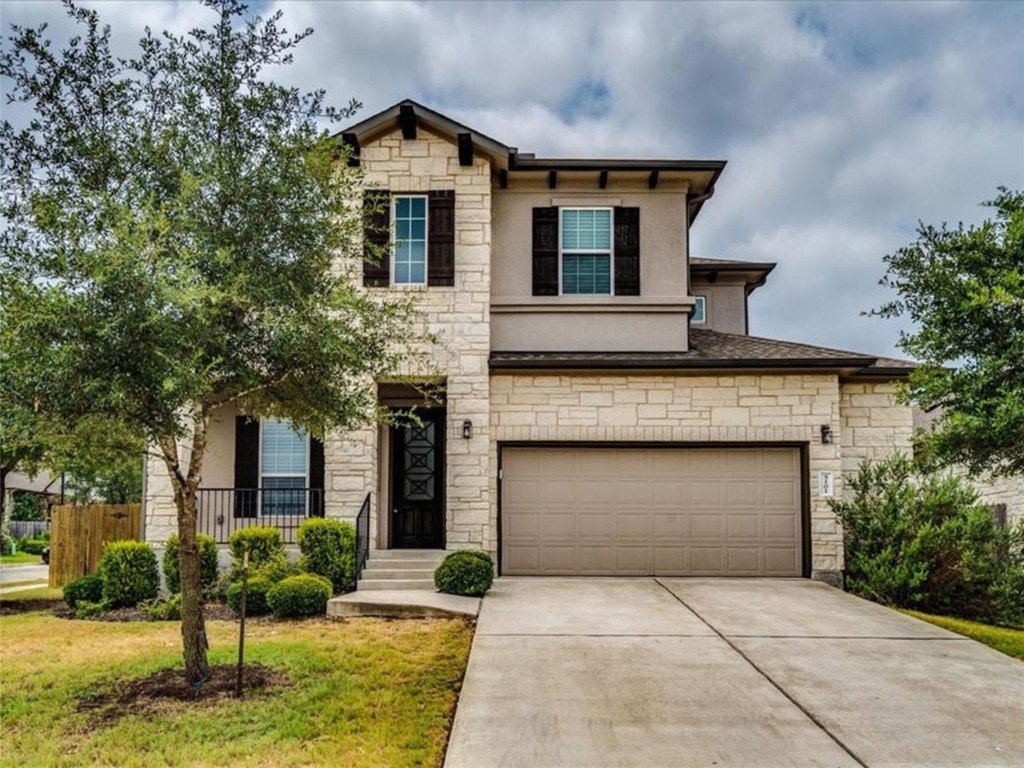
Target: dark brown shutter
x=316 y=477
x=545 y=251
x=627 y=251
x=247 y=466
x=377 y=237
x=441 y=237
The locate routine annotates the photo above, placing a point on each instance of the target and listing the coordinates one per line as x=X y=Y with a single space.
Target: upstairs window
x=284 y=468
x=410 y=238
x=585 y=248
x=699 y=310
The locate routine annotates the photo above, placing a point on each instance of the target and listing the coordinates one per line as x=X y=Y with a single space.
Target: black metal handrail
x=362 y=540
x=222 y=511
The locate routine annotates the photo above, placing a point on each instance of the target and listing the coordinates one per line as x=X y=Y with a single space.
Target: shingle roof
x=703 y=263
x=713 y=349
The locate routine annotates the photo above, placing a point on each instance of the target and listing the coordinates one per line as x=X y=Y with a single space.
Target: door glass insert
x=418 y=461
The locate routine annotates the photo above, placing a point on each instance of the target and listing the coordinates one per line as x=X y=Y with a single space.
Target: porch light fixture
x=826 y=434
x=467 y=429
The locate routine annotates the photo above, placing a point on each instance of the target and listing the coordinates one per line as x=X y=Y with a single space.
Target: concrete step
x=392 y=564
x=407 y=554
x=399 y=573
x=403 y=604
x=374 y=584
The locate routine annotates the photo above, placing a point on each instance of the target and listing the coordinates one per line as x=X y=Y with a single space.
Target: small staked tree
x=963 y=289
x=177 y=230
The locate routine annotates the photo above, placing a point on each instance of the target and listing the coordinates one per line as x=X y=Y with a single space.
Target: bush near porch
x=363 y=692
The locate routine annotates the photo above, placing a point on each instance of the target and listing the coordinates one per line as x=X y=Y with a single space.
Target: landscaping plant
x=129 y=573
x=208 y=562
x=466 y=572
x=88 y=588
x=168 y=609
x=256 y=603
x=329 y=549
x=921 y=540
x=264 y=544
x=302 y=595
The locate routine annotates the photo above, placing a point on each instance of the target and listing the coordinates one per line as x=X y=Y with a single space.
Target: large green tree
x=177 y=230
x=963 y=290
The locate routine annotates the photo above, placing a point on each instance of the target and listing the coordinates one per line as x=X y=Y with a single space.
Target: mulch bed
x=214 y=611
x=10 y=607
x=140 y=696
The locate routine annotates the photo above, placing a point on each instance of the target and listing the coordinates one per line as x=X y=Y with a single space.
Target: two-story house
x=605 y=410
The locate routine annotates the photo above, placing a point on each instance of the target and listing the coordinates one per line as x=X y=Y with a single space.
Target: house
x=605 y=409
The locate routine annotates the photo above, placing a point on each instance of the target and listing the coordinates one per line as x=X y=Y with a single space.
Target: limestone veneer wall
x=874 y=424
x=738 y=409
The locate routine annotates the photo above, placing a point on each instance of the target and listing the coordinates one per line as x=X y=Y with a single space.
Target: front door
x=417 y=482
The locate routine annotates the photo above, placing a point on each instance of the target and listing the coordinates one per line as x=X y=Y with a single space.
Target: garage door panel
x=634 y=511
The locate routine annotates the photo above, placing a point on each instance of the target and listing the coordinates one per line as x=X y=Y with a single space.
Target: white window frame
x=703 y=302
x=261 y=475
x=589 y=251
x=426 y=236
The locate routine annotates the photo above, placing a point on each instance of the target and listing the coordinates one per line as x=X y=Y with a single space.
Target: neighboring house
x=606 y=411
x=1004 y=494
x=42 y=485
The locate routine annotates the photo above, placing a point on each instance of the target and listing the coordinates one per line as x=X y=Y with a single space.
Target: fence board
x=27 y=528
x=78 y=533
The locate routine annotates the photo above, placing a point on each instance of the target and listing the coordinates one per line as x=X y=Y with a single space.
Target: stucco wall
x=725 y=305
x=874 y=425
x=762 y=408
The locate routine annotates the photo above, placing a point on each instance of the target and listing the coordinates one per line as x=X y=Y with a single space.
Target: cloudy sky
x=843 y=124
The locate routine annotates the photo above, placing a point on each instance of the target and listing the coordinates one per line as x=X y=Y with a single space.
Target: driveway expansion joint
x=807 y=713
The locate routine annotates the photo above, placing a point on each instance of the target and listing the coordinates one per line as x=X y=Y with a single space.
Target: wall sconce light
x=467 y=429
x=826 y=434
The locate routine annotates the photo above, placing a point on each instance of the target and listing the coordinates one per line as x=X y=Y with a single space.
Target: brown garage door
x=662 y=511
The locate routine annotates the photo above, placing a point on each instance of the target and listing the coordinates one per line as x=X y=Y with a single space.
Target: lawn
x=364 y=692
x=39 y=593
x=21 y=558
x=1003 y=639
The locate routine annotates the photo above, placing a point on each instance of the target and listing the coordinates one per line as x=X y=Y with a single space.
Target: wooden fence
x=27 y=528
x=78 y=533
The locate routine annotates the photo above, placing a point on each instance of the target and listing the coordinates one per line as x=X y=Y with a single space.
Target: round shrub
x=467 y=572
x=256 y=597
x=303 y=595
x=273 y=570
x=207 y=562
x=329 y=549
x=129 y=573
x=88 y=588
x=263 y=543
x=165 y=610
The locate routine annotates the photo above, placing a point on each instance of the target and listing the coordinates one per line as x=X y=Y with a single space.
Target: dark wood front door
x=417 y=482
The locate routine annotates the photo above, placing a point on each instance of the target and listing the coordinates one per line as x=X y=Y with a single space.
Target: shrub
x=32 y=546
x=208 y=562
x=467 y=572
x=129 y=573
x=28 y=506
x=87 y=609
x=256 y=598
x=921 y=540
x=302 y=595
x=168 y=609
x=263 y=543
x=88 y=588
x=6 y=543
x=274 y=570
x=329 y=549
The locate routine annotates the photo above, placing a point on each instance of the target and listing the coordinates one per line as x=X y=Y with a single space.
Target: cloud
x=843 y=123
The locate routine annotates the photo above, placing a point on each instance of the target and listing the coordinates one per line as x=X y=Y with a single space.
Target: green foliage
x=208 y=562
x=28 y=506
x=963 y=291
x=32 y=546
x=264 y=543
x=129 y=573
x=168 y=609
x=256 y=603
x=467 y=572
x=87 y=588
x=329 y=549
x=6 y=543
x=922 y=541
x=302 y=595
x=88 y=609
x=275 y=569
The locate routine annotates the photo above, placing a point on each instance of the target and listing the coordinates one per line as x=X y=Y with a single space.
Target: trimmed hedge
x=329 y=549
x=32 y=546
x=256 y=598
x=303 y=595
x=466 y=572
x=264 y=544
x=207 y=562
x=129 y=573
x=88 y=588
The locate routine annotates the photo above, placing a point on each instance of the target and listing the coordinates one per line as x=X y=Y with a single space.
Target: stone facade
x=873 y=422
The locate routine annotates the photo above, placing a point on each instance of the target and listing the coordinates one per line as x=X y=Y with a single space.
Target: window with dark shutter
x=247 y=466
x=545 y=251
x=376 y=237
x=441 y=237
x=316 y=477
x=627 y=251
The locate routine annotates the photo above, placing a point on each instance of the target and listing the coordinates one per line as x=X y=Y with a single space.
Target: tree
x=963 y=289
x=183 y=236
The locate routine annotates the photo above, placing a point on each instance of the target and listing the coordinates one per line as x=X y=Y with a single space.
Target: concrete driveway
x=725 y=672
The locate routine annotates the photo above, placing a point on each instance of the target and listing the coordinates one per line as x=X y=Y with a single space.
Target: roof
x=714 y=350
x=727 y=265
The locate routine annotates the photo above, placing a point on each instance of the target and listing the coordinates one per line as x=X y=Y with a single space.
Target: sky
x=844 y=124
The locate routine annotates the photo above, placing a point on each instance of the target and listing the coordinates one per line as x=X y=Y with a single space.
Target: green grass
x=40 y=593
x=1003 y=639
x=21 y=558
x=365 y=692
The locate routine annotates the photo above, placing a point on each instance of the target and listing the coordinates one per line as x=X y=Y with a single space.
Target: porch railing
x=222 y=511
x=362 y=539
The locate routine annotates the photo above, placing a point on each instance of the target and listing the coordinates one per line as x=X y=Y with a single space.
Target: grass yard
x=1004 y=640
x=21 y=558
x=39 y=593
x=365 y=692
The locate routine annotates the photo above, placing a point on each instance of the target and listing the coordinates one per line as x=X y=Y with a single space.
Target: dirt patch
x=9 y=607
x=138 y=697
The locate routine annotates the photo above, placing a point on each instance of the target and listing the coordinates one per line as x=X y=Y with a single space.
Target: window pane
x=283 y=449
x=401 y=207
x=587 y=229
x=417 y=273
x=411 y=240
x=418 y=229
x=699 y=309
x=284 y=496
x=586 y=273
